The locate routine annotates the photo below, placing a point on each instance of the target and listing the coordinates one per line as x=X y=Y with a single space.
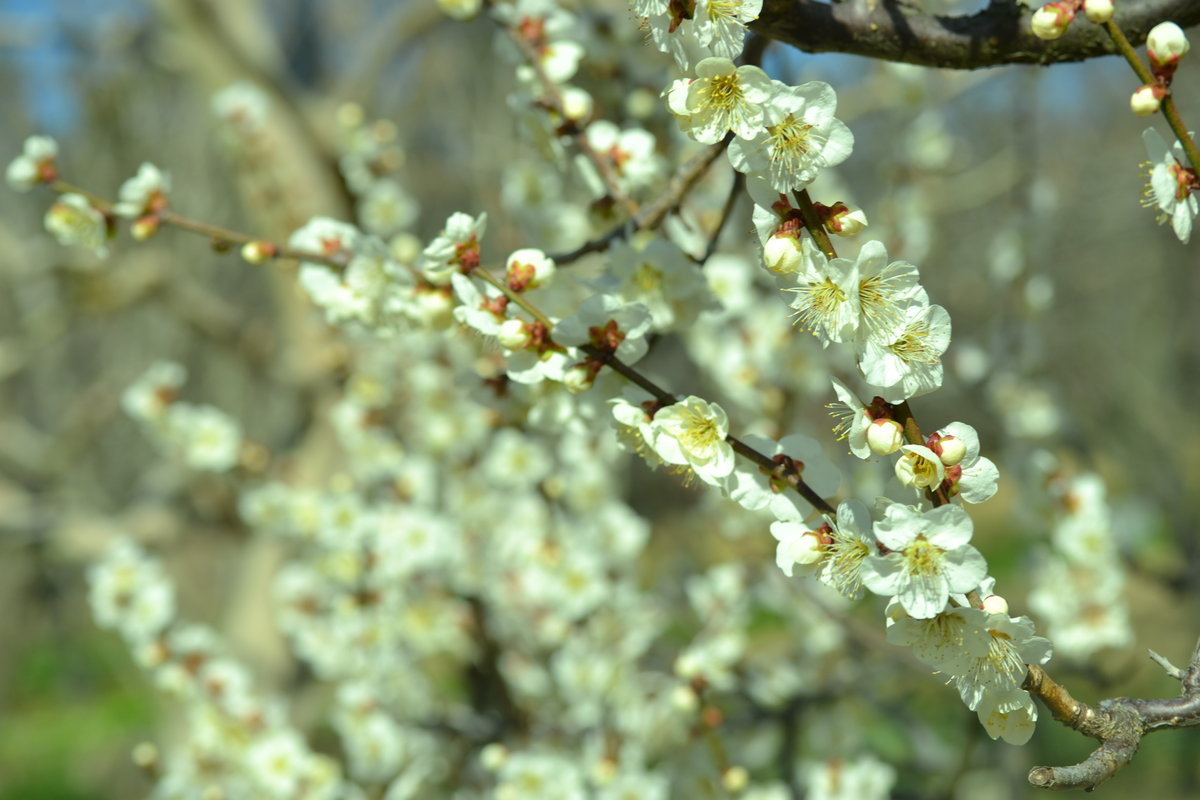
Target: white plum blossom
x=848 y=545
x=148 y=398
x=480 y=312
x=128 y=591
x=911 y=364
x=455 y=249
x=387 y=208
x=1172 y=186
x=143 y=194
x=528 y=268
x=797 y=545
x=950 y=641
x=631 y=156
x=826 y=302
x=886 y=290
x=657 y=274
x=853 y=420
x=327 y=237
x=920 y=467
x=74 y=220
x=720 y=25
x=721 y=98
x=243 y=105
x=692 y=433
x=1011 y=716
x=1011 y=645
x=204 y=436
x=607 y=323
x=35 y=164
x=863 y=778
x=928 y=558
x=800 y=138
x=693 y=32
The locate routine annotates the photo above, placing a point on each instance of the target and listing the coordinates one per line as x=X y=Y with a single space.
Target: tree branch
x=999 y=34
x=1119 y=724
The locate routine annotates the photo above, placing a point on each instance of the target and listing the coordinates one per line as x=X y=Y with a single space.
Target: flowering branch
x=785 y=469
x=999 y=34
x=222 y=238
x=1169 y=108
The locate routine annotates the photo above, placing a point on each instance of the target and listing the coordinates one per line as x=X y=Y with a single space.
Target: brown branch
x=999 y=34
x=1118 y=724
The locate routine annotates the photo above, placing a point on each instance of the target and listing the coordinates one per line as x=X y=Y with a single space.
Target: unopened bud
x=257 y=252
x=578 y=379
x=807 y=549
x=735 y=779
x=461 y=10
x=513 y=334
x=995 y=604
x=1098 y=11
x=950 y=450
x=1166 y=44
x=783 y=254
x=685 y=699
x=885 y=436
x=576 y=105
x=145 y=756
x=1051 y=21
x=1146 y=100
x=142 y=229
x=493 y=756
x=847 y=222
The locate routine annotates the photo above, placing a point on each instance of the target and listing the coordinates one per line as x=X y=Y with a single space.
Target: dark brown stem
x=999 y=34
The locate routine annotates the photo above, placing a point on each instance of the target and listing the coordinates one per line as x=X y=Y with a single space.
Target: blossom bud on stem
x=1051 y=20
x=1098 y=11
x=1147 y=100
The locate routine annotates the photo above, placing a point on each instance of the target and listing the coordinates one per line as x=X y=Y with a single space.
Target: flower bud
x=1166 y=44
x=735 y=779
x=684 y=698
x=1051 y=21
x=513 y=334
x=142 y=229
x=1146 y=100
x=995 y=604
x=461 y=10
x=1098 y=11
x=578 y=379
x=847 y=222
x=950 y=450
x=783 y=254
x=493 y=756
x=576 y=105
x=257 y=252
x=885 y=436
